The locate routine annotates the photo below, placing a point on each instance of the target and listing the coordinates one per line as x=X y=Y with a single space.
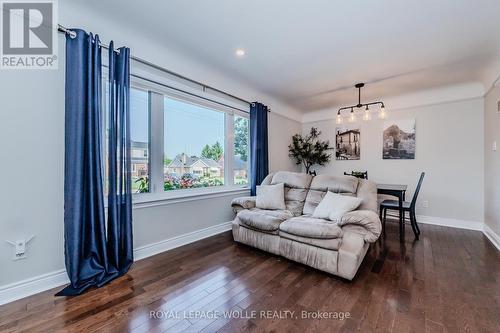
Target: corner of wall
x=491 y=161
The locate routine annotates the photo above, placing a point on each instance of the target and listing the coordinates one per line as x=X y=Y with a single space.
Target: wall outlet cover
x=20 y=248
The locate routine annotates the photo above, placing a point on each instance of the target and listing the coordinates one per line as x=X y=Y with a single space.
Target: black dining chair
x=407 y=207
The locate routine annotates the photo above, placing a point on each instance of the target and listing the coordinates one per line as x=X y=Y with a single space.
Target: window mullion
x=229 y=150
x=156 y=142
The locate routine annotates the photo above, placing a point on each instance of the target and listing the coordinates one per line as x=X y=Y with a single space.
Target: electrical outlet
x=20 y=249
x=494 y=146
x=425 y=204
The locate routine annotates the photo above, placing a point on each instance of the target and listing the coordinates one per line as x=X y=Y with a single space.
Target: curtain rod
x=187 y=92
x=72 y=34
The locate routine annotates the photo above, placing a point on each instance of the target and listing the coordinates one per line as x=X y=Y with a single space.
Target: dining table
x=399 y=191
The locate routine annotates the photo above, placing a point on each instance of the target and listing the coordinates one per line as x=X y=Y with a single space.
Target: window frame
x=157 y=93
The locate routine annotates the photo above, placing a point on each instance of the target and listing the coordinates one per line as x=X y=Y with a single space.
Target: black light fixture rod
x=359 y=96
x=359 y=105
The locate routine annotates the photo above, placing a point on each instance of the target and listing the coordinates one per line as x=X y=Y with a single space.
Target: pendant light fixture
x=366 y=116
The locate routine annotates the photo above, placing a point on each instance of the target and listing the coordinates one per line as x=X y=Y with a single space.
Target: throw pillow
x=271 y=197
x=334 y=206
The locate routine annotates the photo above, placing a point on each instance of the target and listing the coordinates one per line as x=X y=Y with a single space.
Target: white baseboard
x=37 y=284
x=171 y=243
x=492 y=236
x=453 y=223
x=28 y=287
x=462 y=224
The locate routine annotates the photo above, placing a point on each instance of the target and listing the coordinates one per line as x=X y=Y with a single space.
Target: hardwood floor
x=449 y=280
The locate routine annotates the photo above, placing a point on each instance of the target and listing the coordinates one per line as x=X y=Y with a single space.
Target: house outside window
x=193 y=145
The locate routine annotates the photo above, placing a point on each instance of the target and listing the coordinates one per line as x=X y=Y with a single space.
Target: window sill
x=144 y=200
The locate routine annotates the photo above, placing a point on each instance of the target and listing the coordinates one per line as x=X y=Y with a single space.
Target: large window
x=182 y=144
x=193 y=146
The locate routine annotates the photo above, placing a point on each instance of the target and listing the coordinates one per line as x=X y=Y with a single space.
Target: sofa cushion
x=296 y=188
x=292 y=179
x=345 y=185
x=265 y=220
x=313 y=199
x=306 y=226
x=325 y=243
x=333 y=206
x=294 y=200
x=336 y=184
x=271 y=197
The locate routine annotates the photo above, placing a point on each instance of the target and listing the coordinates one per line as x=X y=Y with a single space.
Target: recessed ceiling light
x=240 y=52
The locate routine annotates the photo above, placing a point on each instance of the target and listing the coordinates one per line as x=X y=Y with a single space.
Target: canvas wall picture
x=399 y=140
x=347 y=143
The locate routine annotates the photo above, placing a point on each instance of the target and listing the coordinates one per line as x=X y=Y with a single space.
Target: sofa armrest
x=367 y=219
x=241 y=203
x=367 y=191
x=351 y=254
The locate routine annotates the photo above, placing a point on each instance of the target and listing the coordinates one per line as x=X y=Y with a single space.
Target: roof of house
x=238 y=163
x=209 y=162
x=191 y=160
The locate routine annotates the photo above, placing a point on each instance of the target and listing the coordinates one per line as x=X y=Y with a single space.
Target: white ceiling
x=310 y=53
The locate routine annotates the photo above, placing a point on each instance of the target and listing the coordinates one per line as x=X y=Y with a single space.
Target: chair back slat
x=358 y=174
x=415 y=195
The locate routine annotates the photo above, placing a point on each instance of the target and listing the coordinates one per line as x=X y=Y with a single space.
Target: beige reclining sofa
x=334 y=247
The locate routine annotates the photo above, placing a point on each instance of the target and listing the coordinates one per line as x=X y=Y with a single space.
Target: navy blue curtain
x=89 y=255
x=120 y=247
x=259 y=162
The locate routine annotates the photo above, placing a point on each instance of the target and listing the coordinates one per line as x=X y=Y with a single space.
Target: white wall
x=281 y=131
x=492 y=160
x=449 y=148
x=32 y=145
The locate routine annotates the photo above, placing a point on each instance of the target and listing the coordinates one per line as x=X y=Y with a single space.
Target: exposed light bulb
x=367 y=115
x=339 y=119
x=382 y=114
x=352 y=118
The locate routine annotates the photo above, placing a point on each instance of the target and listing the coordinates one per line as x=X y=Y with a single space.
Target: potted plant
x=309 y=150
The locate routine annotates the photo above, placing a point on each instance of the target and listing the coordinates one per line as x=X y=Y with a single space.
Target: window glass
x=193 y=146
x=139 y=134
x=241 y=150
